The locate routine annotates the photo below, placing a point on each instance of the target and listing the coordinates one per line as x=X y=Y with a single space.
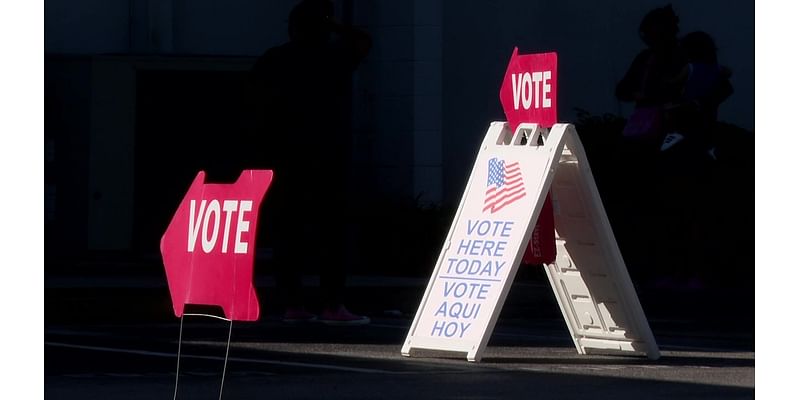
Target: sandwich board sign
x=209 y=246
x=514 y=171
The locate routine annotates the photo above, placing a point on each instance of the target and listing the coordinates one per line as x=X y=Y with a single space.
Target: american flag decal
x=504 y=185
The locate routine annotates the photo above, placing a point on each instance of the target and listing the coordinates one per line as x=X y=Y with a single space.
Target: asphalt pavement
x=115 y=338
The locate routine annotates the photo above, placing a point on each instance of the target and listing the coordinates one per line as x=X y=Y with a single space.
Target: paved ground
x=119 y=342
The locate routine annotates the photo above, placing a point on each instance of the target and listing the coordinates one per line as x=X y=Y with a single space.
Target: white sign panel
x=485 y=243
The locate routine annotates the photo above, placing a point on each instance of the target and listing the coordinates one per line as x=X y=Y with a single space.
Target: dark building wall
x=422 y=99
x=67 y=105
x=596 y=41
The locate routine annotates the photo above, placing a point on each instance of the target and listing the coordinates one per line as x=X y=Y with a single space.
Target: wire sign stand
x=227 y=351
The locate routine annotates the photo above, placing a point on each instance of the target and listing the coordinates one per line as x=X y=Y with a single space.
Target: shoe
x=671 y=140
x=341 y=316
x=295 y=315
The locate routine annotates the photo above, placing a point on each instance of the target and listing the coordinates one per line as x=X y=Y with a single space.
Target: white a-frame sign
x=511 y=177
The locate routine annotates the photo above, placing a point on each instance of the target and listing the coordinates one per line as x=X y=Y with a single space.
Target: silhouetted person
x=705 y=85
x=301 y=93
x=685 y=160
x=649 y=84
x=649 y=81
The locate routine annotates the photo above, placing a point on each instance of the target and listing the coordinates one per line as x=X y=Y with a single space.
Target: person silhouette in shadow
x=686 y=160
x=705 y=84
x=648 y=83
x=300 y=94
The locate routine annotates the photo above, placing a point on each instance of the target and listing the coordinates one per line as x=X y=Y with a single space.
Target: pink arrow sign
x=528 y=93
x=209 y=246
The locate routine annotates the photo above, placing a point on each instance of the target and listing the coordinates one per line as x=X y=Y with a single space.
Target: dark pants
x=634 y=205
x=684 y=181
x=304 y=219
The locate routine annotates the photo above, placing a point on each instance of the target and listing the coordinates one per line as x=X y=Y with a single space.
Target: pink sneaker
x=298 y=314
x=341 y=316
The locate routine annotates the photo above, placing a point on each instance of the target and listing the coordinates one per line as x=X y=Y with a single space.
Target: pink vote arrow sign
x=209 y=246
x=529 y=94
x=529 y=90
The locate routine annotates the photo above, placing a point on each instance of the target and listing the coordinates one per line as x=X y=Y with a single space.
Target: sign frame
x=628 y=329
